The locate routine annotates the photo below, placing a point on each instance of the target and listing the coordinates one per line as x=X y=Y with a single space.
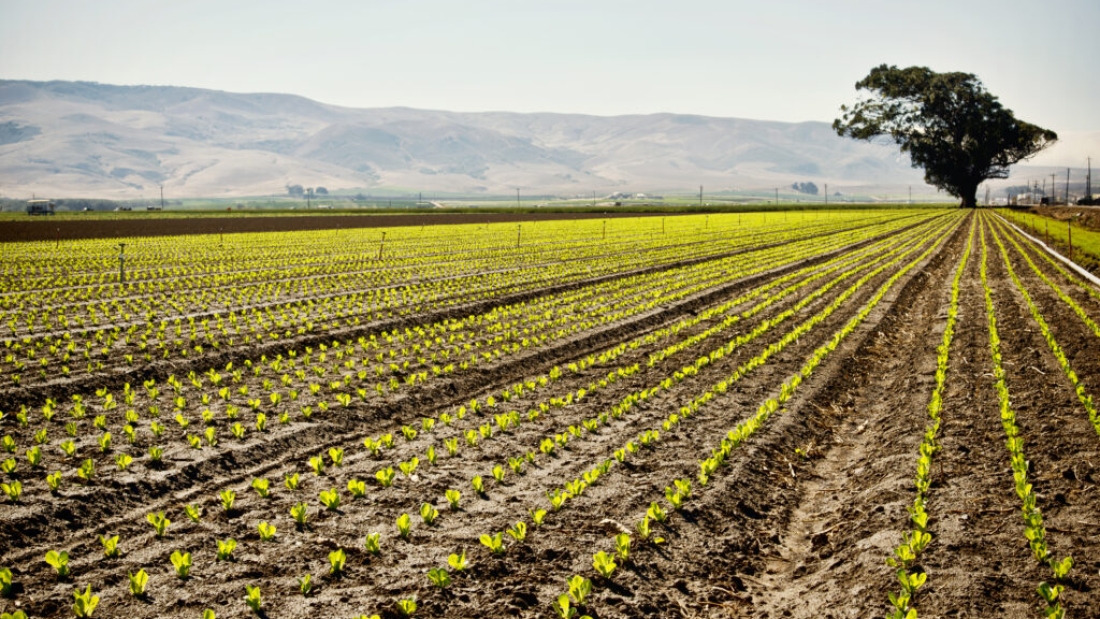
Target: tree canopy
x=948 y=124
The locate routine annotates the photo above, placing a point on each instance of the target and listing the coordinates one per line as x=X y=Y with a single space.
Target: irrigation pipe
x=1095 y=281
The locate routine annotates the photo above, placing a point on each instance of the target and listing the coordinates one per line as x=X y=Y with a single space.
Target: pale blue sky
x=782 y=60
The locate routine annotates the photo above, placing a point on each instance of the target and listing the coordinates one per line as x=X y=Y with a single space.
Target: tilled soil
x=798 y=523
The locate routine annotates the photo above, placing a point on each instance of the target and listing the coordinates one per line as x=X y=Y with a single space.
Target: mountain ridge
x=67 y=139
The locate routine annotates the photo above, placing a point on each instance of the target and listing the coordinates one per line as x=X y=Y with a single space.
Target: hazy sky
x=779 y=60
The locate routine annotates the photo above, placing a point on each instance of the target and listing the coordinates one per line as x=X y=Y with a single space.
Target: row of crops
x=332 y=423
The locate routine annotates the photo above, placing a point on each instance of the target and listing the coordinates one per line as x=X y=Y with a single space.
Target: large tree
x=947 y=123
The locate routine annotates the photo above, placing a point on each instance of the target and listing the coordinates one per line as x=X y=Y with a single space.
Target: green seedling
x=123 y=460
x=291 y=481
x=227 y=497
x=85 y=603
x=53 y=480
x=479 y=486
x=193 y=512
x=519 y=531
x=453 y=497
x=622 y=546
x=262 y=487
x=300 y=513
x=579 y=588
x=305 y=584
x=406 y=607
x=409 y=468
x=13 y=490
x=404 y=526
x=138 y=582
x=358 y=489
x=451 y=445
x=656 y=513
x=182 y=562
x=225 y=549
x=373 y=543
x=498 y=474
x=457 y=561
x=428 y=514
x=336 y=559
x=110 y=546
x=385 y=476
x=563 y=607
x=6 y=581
x=252 y=598
x=86 y=471
x=336 y=455
x=317 y=464
x=495 y=542
x=59 y=561
x=330 y=499
x=604 y=563
x=537 y=516
x=267 y=531
x=439 y=577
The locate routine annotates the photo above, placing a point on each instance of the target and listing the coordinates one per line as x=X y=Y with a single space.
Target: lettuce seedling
x=252 y=598
x=237 y=430
x=439 y=577
x=227 y=496
x=86 y=471
x=453 y=496
x=123 y=460
x=330 y=499
x=519 y=532
x=404 y=526
x=193 y=512
x=262 y=487
x=209 y=614
x=409 y=468
x=1061 y=568
x=336 y=559
x=53 y=480
x=451 y=444
x=59 y=561
x=537 y=516
x=409 y=432
x=6 y=581
x=182 y=562
x=336 y=455
x=305 y=584
x=110 y=546
x=385 y=476
x=300 y=513
x=622 y=546
x=604 y=563
x=563 y=608
x=138 y=582
x=291 y=481
x=225 y=549
x=457 y=562
x=498 y=474
x=495 y=542
x=34 y=456
x=579 y=588
x=373 y=543
x=428 y=514
x=14 y=490
x=358 y=489
x=156 y=453
x=656 y=513
x=85 y=603
x=317 y=463
x=431 y=454
x=471 y=437
x=406 y=607
x=267 y=531
x=479 y=486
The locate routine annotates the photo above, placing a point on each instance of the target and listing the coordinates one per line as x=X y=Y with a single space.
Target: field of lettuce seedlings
x=826 y=414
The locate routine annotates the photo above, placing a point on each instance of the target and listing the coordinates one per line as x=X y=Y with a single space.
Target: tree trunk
x=969 y=196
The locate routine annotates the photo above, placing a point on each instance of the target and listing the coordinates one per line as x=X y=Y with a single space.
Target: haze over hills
x=69 y=139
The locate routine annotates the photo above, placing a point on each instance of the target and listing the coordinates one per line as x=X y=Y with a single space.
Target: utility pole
x=121 y=263
x=1088 y=180
x=381 y=244
x=826 y=194
x=700 y=195
x=1067 y=186
x=777 y=196
x=593 y=199
x=1053 y=190
x=517 y=205
x=162 y=197
x=910 y=194
x=519 y=230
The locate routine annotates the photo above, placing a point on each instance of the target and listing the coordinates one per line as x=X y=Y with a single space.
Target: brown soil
x=776 y=533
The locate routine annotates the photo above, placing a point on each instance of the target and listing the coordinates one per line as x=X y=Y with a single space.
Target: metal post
x=381 y=244
x=1069 y=233
x=1067 y=186
x=121 y=263
x=826 y=194
x=519 y=230
x=605 y=229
